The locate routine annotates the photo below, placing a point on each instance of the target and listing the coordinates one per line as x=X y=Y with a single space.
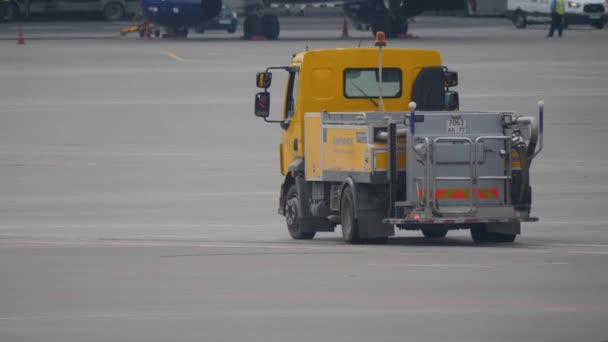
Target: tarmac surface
x=139 y=193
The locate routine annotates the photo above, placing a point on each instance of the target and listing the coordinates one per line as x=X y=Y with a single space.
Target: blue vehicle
x=261 y=20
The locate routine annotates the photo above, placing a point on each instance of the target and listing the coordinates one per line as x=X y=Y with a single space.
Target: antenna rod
x=380 y=42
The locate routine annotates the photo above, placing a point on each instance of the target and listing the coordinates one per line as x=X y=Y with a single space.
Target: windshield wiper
x=364 y=94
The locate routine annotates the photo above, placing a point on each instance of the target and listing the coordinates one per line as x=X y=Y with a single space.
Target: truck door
x=291 y=135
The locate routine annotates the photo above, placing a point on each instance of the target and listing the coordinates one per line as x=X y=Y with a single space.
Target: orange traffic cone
x=345 y=28
x=20 y=38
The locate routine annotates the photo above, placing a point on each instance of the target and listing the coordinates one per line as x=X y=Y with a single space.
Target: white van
x=589 y=12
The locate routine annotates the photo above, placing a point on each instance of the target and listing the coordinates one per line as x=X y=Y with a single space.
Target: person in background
x=557 y=17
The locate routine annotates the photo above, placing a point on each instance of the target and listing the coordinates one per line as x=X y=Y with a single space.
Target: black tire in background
x=293 y=217
x=252 y=26
x=271 y=26
x=382 y=23
x=113 y=11
x=598 y=24
x=519 y=20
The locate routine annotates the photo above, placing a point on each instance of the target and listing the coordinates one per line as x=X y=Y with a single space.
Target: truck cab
x=341 y=80
x=347 y=139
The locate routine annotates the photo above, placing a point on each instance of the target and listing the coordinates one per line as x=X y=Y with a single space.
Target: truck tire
x=295 y=224
x=519 y=20
x=480 y=234
x=113 y=11
x=350 y=228
x=598 y=24
x=434 y=233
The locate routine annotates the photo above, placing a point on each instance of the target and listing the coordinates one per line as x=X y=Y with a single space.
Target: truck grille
x=593 y=8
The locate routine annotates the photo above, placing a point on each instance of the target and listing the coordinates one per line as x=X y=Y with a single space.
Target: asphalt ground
x=138 y=198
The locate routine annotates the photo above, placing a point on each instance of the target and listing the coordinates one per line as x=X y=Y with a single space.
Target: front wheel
x=350 y=227
x=293 y=216
x=598 y=24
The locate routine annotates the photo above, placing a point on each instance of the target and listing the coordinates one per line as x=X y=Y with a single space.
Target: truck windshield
x=363 y=83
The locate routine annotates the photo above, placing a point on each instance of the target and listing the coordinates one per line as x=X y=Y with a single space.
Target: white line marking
x=469 y=265
x=284 y=246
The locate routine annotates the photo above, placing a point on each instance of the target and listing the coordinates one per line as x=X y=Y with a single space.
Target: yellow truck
x=372 y=138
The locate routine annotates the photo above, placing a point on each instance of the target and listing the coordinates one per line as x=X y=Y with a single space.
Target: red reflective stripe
x=459 y=194
x=447 y=193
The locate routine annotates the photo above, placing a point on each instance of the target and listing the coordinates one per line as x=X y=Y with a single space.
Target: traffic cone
x=20 y=38
x=345 y=28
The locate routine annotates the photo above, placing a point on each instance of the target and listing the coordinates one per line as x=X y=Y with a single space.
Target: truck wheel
x=271 y=26
x=350 y=229
x=519 y=20
x=434 y=233
x=295 y=223
x=598 y=25
x=113 y=11
x=480 y=234
x=8 y=11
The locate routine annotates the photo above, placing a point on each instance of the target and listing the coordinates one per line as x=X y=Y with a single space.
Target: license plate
x=594 y=16
x=225 y=21
x=456 y=126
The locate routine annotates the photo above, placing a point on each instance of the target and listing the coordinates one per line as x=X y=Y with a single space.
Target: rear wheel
x=293 y=217
x=435 y=232
x=350 y=228
x=519 y=20
x=480 y=234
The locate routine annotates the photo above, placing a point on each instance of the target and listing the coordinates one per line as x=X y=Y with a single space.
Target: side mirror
x=263 y=80
x=452 y=101
x=450 y=79
x=262 y=104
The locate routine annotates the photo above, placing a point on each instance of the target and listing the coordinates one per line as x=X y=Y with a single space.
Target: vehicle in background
x=227 y=20
x=260 y=18
x=111 y=10
x=586 y=12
